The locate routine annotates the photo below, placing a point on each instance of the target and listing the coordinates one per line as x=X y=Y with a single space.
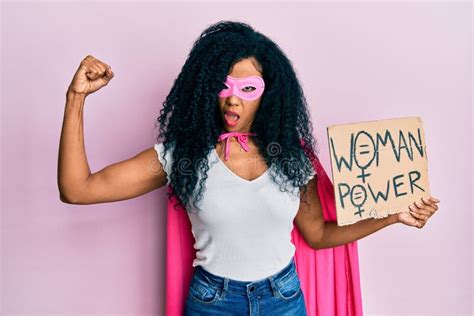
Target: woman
x=236 y=132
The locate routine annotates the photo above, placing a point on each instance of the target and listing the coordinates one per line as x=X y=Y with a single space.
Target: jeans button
x=251 y=289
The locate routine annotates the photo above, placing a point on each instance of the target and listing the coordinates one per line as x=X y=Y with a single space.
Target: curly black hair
x=190 y=122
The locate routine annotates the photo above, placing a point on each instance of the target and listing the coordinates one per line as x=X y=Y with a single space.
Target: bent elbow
x=312 y=243
x=315 y=245
x=68 y=198
x=65 y=198
x=319 y=246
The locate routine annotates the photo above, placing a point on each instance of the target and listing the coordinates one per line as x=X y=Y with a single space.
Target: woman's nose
x=233 y=99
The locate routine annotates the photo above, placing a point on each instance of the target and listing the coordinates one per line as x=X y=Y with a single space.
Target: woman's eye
x=244 y=89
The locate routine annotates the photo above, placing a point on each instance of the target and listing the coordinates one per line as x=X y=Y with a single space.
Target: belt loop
x=273 y=286
x=224 y=288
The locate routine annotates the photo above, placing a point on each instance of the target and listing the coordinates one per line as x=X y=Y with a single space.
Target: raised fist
x=91 y=75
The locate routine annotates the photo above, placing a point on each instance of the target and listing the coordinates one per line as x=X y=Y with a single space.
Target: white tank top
x=243 y=230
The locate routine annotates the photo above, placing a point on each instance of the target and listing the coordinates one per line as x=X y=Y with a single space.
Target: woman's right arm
x=119 y=181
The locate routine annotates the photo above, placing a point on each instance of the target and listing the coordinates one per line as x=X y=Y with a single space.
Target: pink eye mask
x=247 y=88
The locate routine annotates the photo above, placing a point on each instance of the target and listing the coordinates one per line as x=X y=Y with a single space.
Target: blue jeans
x=279 y=294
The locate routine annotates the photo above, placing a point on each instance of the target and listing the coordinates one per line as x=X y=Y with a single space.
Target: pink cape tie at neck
x=242 y=138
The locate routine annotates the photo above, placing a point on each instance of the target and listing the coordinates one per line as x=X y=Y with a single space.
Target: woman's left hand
x=419 y=212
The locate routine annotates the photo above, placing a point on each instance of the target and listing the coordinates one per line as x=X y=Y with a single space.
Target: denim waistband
x=250 y=287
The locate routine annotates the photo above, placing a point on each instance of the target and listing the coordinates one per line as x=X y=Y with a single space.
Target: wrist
x=392 y=219
x=75 y=99
x=72 y=95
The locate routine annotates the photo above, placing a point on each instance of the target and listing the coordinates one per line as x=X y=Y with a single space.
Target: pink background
x=356 y=62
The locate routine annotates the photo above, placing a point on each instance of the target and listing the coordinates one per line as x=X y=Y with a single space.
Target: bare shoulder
x=310 y=219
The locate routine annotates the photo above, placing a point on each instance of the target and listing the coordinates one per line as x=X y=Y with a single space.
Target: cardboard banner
x=378 y=167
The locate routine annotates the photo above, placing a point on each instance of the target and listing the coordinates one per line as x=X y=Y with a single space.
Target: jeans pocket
x=289 y=288
x=202 y=292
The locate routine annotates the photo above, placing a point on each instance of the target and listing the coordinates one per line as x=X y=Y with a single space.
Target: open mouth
x=231 y=118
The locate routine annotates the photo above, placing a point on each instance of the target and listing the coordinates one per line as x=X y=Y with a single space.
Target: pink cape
x=329 y=277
